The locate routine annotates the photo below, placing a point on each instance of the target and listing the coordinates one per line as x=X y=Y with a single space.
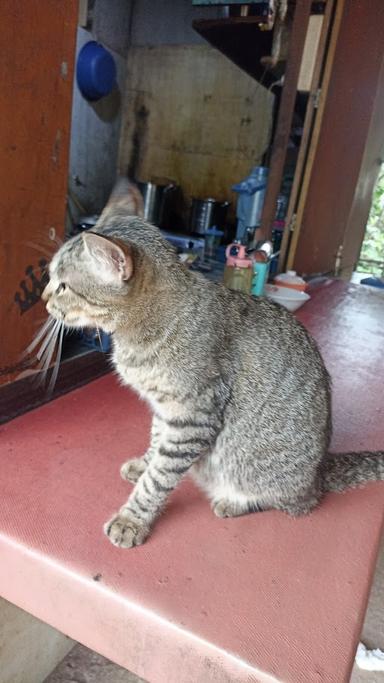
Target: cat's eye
x=61 y=288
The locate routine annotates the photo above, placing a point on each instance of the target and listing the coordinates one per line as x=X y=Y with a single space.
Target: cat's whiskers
x=49 y=241
x=48 y=353
x=39 y=335
x=49 y=337
x=57 y=240
x=98 y=335
x=52 y=333
x=55 y=369
x=42 y=250
x=39 y=321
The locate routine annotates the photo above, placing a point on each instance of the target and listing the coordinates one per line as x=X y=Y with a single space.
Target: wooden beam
x=36 y=68
x=284 y=121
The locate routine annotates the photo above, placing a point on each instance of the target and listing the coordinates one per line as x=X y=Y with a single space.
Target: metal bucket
x=206 y=213
x=156 y=201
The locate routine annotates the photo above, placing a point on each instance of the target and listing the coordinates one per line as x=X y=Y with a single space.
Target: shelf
x=242 y=41
x=230 y=21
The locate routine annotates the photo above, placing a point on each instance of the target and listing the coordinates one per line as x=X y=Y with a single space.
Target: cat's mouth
x=55 y=312
x=71 y=319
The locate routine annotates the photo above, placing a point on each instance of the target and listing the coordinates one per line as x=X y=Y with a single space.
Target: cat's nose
x=46 y=293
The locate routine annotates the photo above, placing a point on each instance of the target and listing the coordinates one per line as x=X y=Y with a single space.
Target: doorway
x=371 y=259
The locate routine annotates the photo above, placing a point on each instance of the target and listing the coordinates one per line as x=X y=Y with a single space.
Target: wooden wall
x=192 y=116
x=36 y=64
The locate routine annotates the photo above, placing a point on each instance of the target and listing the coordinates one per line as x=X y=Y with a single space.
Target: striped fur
x=238 y=389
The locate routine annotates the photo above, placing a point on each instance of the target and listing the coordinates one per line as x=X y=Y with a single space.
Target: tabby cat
x=239 y=392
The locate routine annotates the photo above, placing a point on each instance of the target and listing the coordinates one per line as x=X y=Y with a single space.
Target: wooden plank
x=36 y=65
x=311 y=48
x=284 y=122
x=204 y=25
x=192 y=116
x=310 y=114
x=337 y=153
x=83 y=13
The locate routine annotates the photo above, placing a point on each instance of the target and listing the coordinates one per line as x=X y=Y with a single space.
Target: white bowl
x=291 y=299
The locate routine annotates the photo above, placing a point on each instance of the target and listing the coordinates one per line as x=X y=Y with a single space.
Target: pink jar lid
x=240 y=259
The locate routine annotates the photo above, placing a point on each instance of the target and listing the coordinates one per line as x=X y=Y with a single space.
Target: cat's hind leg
x=227 y=501
x=225 y=507
x=235 y=505
x=299 y=505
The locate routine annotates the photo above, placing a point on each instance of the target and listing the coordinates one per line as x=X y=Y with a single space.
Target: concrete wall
x=29 y=649
x=96 y=127
x=94 y=139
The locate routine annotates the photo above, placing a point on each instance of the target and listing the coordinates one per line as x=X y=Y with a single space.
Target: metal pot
x=156 y=201
x=206 y=213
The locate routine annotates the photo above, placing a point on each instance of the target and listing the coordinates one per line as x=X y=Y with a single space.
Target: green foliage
x=373 y=245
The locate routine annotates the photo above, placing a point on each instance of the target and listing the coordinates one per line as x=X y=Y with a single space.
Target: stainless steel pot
x=156 y=201
x=205 y=213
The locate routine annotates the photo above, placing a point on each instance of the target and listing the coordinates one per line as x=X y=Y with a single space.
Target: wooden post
x=284 y=121
x=36 y=66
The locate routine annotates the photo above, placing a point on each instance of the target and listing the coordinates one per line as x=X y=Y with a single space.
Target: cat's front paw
x=133 y=469
x=125 y=531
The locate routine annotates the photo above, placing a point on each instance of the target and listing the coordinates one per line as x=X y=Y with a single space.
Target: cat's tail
x=340 y=471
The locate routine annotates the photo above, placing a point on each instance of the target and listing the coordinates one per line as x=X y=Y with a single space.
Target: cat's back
x=263 y=336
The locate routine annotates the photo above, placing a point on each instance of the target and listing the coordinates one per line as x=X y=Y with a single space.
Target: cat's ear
x=110 y=261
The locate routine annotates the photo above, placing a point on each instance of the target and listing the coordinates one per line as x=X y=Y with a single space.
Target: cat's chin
x=78 y=322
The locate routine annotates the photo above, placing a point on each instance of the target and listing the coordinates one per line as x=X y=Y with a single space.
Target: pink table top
x=257 y=598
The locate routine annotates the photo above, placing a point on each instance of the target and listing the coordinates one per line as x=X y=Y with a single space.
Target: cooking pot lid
x=209 y=200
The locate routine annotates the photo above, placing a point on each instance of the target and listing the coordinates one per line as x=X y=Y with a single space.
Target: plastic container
x=373 y=282
x=238 y=271
x=251 y=193
x=95 y=71
x=291 y=280
x=260 y=273
x=292 y=299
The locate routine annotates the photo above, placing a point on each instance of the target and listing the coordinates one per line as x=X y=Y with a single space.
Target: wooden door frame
x=342 y=165
x=311 y=127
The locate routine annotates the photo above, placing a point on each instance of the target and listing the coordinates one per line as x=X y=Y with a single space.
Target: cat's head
x=90 y=277
x=92 y=274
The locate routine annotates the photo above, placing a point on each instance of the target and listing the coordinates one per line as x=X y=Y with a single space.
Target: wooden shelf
x=242 y=41
x=230 y=21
